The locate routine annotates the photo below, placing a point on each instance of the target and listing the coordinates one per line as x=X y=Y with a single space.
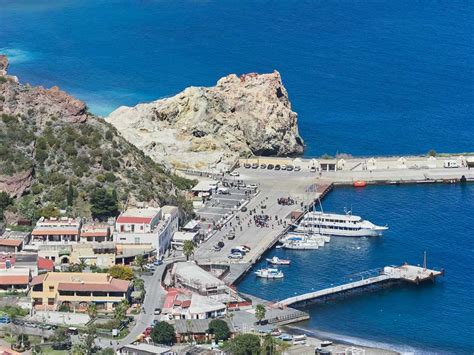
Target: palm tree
x=260 y=312
x=92 y=310
x=120 y=310
x=140 y=261
x=188 y=248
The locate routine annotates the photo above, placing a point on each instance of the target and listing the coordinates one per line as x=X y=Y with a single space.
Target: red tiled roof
x=37 y=280
x=114 y=286
x=55 y=232
x=45 y=264
x=125 y=219
x=10 y=242
x=186 y=304
x=14 y=280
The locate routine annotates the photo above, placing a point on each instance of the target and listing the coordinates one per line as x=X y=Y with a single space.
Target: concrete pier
x=404 y=273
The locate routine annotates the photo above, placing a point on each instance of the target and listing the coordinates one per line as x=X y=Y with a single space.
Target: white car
x=252 y=186
x=235 y=256
x=234 y=173
x=312 y=169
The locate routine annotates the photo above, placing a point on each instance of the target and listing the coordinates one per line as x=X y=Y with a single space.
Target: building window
x=38 y=301
x=50 y=301
x=51 y=288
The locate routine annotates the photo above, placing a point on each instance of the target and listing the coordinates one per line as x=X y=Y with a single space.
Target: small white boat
x=326 y=343
x=277 y=261
x=270 y=273
x=301 y=245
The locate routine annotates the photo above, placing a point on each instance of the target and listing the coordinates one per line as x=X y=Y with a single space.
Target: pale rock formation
x=209 y=127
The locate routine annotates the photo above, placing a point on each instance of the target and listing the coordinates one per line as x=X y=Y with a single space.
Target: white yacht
x=291 y=236
x=270 y=273
x=304 y=244
x=341 y=225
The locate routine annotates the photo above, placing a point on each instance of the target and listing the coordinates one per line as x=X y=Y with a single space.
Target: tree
x=70 y=195
x=120 y=310
x=103 y=204
x=49 y=211
x=260 y=312
x=5 y=201
x=121 y=272
x=272 y=346
x=107 y=351
x=22 y=341
x=59 y=336
x=89 y=340
x=432 y=153
x=243 y=344
x=92 y=310
x=163 y=333
x=220 y=329
x=188 y=248
x=140 y=261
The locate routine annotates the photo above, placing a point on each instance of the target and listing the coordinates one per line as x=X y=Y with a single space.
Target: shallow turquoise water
x=435 y=219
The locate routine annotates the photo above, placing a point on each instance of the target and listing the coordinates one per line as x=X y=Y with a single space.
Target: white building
x=154 y=226
x=57 y=231
x=180 y=237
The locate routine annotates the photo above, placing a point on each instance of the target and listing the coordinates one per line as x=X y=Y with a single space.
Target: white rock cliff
x=209 y=127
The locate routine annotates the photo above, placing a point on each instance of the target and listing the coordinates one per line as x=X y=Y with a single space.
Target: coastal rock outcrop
x=209 y=127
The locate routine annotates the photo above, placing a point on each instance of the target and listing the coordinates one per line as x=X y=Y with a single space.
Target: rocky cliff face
x=50 y=144
x=205 y=127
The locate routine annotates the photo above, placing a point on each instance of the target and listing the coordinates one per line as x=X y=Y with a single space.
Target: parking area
x=222 y=204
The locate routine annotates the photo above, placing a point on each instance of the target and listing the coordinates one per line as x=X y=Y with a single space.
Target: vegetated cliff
x=49 y=141
x=203 y=127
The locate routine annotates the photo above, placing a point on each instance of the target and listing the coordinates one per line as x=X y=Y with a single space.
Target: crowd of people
x=286 y=201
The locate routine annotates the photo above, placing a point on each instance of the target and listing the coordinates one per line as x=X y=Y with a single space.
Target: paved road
x=155 y=297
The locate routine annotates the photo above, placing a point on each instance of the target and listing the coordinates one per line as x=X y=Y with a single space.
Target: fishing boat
x=270 y=273
x=277 y=261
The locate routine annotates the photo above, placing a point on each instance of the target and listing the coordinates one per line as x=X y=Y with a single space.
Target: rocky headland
x=207 y=128
x=52 y=147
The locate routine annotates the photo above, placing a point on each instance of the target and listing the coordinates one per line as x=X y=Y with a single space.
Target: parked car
x=237 y=250
x=252 y=186
x=246 y=247
x=297 y=168
x=277 y=167
x=283 y=167
x=263 y=166
x=216 y=248
x=244 y=209
x=234 y=173
x=254 y=165
x=247 y=166
x=289 y=167
x=220 y=244
x=235 y=256
x=270 y=166
x=157 y=311
x=231 y=236
x=158 y=262
x=312 y=169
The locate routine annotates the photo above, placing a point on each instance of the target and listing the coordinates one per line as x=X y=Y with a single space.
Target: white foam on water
x=17 y=55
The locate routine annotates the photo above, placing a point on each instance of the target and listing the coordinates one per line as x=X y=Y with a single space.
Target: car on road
x=247 y=166
x=157 y=311
x=270 y=166
x=231 y=236
x=254 y=165
x=158 y=262
x=238 y=250
x=235 y=256
x=252 y=186
x=312 y=169
x=289 y=167
x=263 y=166
x=297 y=168
x=216 y=248
x=277 y=167
x=234 y=173
x=283 y=167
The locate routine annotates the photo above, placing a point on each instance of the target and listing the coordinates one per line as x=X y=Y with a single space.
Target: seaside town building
x=75 y=291
x=180 y=237
x=154 y=226
x=13 y=241
x=14 y=279
x=57 y=231
x=182 y=304
x=96 y=232
x=197 y=330
x=144 y=349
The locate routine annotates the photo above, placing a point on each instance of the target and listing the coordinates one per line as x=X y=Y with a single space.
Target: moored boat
x=301 y=245
x=277 y=261
x=270 y=273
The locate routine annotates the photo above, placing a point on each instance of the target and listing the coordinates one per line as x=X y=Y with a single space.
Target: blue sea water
x=366 y=77
x=432 y=317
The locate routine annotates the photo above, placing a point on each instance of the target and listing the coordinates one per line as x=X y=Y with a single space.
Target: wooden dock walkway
x=404 y=273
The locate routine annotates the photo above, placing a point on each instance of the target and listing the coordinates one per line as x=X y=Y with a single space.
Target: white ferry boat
x=342 y=225
x=270 y=273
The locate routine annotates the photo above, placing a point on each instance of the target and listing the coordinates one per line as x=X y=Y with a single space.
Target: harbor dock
x=389 y=274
